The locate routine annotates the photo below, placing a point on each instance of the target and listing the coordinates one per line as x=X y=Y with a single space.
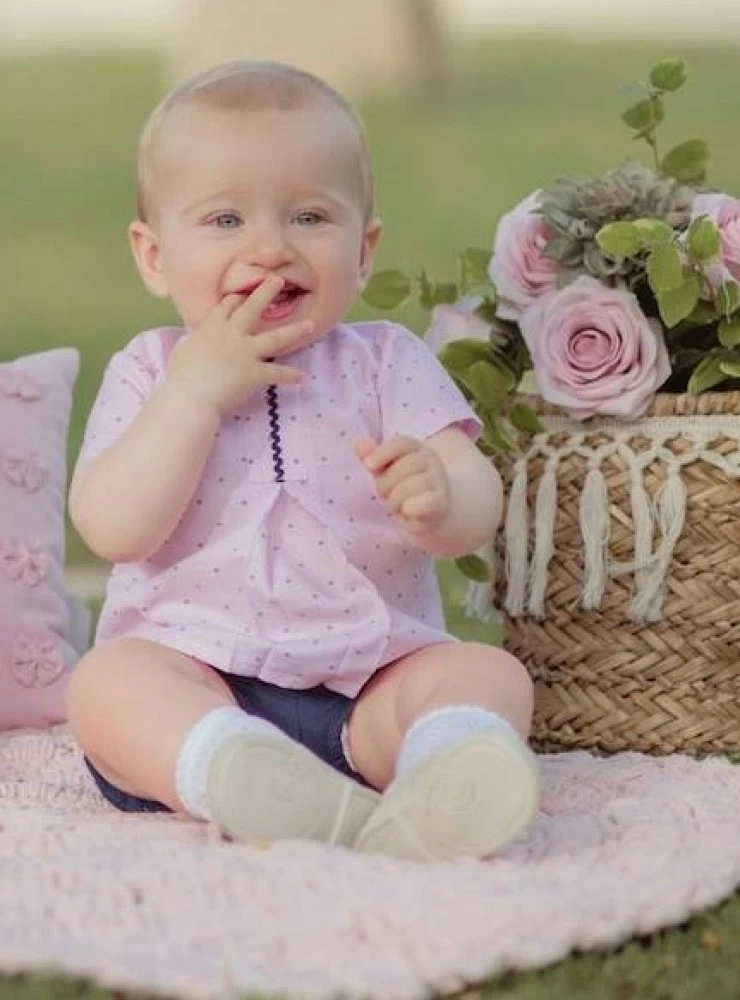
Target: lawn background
x=518 y=114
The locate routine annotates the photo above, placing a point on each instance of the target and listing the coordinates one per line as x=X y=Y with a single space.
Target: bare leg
x=464 y=673
x=131 y=704
x=469 y=796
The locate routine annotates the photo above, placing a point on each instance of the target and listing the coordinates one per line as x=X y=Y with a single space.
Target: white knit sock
x=206 y=737
x=445 y=726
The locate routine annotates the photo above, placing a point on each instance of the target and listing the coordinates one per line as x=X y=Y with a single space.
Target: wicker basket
x=619 y=576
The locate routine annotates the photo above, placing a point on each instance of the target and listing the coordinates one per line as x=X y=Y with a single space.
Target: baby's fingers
x=281 y=374
x=422 y=505
x=273 y=343
x=404 y=491
x=250 y=307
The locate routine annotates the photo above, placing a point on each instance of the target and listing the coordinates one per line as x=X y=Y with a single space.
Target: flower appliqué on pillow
x=27 y=472
x=18 y=385
x=36 y=660
x=24 y=562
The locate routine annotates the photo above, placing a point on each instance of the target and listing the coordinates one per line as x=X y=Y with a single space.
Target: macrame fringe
x=543 y=539
x=658 y=523
x=517 y=542
x=642 y=520
x=647 y=603
x=594 y=519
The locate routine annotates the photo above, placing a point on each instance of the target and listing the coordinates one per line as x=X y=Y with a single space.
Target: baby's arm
x=475 y=496
x=445 y=493
x=128 y=500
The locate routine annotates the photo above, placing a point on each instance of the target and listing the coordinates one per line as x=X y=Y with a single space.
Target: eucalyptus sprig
x=392 y=288
x=687 y=161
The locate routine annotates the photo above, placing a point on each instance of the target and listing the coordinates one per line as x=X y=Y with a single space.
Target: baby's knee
x=91 y=680
x=494 y=666
x=84 y=680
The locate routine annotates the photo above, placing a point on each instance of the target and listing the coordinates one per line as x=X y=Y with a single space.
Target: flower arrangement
x=601 y=291
x=616 y=300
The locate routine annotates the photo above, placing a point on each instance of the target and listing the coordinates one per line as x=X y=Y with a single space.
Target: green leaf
x=727 y=298
x=706 y=375
x=729 y=332
x=687 y=162
x=489 y=382
x=495 y=441
x=670 y=74
x=702 y=314
x=425 y=290
x=730 y=367
x=525 y=419
x=678 y=303
x=644 y=115
x=444 y=292
x=665 y=269
x=473 y=267
x=459 y=355
x=474 y=568
x=387 y=289
x=703 y=239
x=620 y=239
x=653 y=232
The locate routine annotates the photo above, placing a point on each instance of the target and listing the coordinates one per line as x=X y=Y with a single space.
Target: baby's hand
x=225 y=360
x=411 y=478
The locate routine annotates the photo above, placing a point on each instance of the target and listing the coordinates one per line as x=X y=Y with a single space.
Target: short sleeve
x=417 y=396
x=127 y=384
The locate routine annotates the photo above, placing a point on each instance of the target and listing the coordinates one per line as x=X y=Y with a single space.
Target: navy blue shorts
x=314 y=717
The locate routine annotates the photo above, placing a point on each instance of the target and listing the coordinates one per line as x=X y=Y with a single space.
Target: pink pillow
x=35 y=652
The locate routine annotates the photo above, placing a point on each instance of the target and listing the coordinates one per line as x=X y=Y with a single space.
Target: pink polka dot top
x=286 y=565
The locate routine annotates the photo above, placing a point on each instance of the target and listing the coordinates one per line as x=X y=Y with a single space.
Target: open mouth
x=288 y=293
x=284 y=303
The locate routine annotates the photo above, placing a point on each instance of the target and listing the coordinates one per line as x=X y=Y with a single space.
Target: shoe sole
x=264 y=789
x=468 y=800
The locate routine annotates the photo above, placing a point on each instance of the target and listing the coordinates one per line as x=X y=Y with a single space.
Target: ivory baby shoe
x=264 y=789
x=469 y=799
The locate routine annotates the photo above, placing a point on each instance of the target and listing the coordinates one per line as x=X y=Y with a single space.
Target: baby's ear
x=370 y=240
x=145 y=248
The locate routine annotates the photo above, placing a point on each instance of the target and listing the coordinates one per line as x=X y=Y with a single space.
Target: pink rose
x=594 y=350
x=724 y=212
x=518 y=268
x=456 y=322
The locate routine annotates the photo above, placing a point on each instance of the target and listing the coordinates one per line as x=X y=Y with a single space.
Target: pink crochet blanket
x=623 y=846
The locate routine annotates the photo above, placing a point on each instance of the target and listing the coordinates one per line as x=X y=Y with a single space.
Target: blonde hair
x=247 y=85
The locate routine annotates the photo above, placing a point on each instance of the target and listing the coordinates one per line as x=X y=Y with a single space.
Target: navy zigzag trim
x=276 y=443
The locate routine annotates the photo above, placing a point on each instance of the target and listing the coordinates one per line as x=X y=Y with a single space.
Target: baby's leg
x=444 y=730
x=160 y=725
x=131 y=704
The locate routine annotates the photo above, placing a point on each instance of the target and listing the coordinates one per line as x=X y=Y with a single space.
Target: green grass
x=517 y=115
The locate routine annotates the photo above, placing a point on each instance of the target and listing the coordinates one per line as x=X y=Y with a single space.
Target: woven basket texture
x=602 y=682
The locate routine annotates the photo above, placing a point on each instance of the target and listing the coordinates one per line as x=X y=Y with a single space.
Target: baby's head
x=252 y=168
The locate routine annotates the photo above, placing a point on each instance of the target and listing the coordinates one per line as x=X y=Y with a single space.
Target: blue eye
x=226 y=220
x=307 y=218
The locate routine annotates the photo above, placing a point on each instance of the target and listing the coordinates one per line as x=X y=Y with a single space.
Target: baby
x=273 y=485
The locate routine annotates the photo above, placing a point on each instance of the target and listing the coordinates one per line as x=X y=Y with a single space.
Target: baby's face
x=237 y=196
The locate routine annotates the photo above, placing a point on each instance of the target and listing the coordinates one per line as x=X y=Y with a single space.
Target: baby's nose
x=268 y=247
